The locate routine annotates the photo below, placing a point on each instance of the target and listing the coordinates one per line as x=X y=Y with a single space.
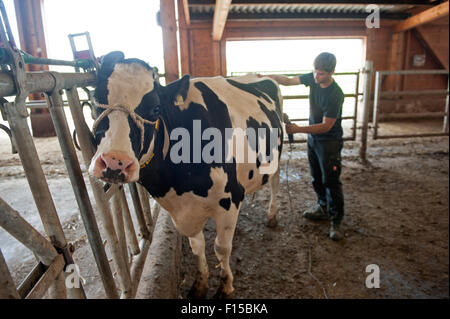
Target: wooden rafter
x=272 y=2
x=187 y=17
x=426 y=16
x=437 y=51
x=220 y=18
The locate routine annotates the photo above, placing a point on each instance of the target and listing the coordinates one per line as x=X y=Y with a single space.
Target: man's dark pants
x=325 y=166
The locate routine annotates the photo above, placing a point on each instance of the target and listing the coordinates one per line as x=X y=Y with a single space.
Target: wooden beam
x=169 y=31
x=435 y=48
x=272 y=2
x=187 y=17
x=426 y=16
x=220 y=18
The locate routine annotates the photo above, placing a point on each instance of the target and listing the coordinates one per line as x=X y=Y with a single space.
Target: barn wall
x=201 y=56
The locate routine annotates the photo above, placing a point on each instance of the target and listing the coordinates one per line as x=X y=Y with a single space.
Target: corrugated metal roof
x=300 y=11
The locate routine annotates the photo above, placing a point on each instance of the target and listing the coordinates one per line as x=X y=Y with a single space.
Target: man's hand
x=291 y=128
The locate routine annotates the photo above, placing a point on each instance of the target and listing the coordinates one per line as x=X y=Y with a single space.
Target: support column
x=32 y=41
x=169 y=31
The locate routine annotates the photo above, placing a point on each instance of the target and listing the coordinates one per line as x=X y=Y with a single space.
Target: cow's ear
x=177 y=91
x=109 y=61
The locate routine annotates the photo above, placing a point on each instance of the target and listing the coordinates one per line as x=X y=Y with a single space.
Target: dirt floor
x=396 y=217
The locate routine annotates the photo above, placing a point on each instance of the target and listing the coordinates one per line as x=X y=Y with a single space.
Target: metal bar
x=73 y=167
x=37 y=82
x=7 y=287
x=355 y=113
x=32 y=278
x=20 y=229
x=112 y=190
x=416 y=92
x=376 y=102
x=138 y=210
x=445 y=124
x=391 y=116
x=120 y=263
x=51 y=275
x=90 y=223
x=409 y=72
x=138 y=264
x=87 y=151
x=307 y=119
x=8 y=131
x=412 y=135
x=116 y=209
x=305 y=96
x=35 y=175
x=129 y=228
x=145 y=202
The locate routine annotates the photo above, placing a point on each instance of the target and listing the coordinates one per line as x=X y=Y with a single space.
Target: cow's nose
x=116 y=167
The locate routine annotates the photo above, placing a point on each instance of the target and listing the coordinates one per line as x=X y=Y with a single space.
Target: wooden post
x=169 y=31
x=183 y=29
x=368 y=69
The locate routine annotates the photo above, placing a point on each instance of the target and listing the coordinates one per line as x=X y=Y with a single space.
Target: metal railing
x=356 y=94
x=379 y=94
x=55 y=253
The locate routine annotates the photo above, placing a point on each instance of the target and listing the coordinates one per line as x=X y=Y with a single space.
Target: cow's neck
x=159 y=145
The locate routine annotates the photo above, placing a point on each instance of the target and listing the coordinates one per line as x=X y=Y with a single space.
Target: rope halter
x=139 y=120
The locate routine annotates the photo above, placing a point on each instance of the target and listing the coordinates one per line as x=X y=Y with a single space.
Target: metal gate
x=53 y=253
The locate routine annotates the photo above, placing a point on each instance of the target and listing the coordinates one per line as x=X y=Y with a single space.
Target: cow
x=200 y=175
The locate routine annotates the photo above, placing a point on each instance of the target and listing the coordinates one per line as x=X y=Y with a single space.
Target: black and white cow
x=200 y=175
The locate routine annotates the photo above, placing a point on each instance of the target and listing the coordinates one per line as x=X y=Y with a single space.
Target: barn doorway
x=296 y=56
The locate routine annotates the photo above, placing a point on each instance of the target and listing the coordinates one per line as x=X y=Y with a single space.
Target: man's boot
x=317 y=213
x=335 y=232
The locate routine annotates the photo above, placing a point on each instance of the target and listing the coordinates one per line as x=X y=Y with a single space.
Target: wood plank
x=220 y=18
x=184 y=38
x=270 y=2
x=436 y=48
x=187 y=16
x=169 y=31
x=426 y=16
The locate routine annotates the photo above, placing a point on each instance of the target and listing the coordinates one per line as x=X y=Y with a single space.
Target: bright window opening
x=296 y=57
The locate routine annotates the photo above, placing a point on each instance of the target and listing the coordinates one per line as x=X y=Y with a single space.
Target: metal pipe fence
x=355 y=94
x=378 y=94
x=54 y=253
x=119 y=229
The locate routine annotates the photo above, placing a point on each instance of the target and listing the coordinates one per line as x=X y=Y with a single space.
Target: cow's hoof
x=272 y=223
x=220 y=294
x=197 y=291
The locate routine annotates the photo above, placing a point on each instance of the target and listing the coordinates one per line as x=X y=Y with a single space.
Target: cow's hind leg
x=225 y=224
x=273 y=207
x=200 y=287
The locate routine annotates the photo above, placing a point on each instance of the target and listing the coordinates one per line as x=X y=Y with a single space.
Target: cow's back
x=251 y=102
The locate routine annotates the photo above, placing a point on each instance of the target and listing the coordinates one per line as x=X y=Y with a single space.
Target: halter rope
x=139 y=120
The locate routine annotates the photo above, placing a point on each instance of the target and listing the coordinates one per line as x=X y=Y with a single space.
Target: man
x=324 y=139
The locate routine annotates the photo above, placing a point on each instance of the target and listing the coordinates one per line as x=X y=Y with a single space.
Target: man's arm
x=325 y=126
x=285 y=80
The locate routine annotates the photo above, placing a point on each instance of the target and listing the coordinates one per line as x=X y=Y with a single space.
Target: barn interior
x=396 y=162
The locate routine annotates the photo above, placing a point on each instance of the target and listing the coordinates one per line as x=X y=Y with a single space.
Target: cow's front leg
x=273 y=207
x=226 y=224
x=200 y=287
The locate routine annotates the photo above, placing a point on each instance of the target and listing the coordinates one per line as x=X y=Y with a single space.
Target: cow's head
x=129 y=100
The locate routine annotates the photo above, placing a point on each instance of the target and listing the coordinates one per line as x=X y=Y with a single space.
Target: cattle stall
x=395 y=179
x=128 y=249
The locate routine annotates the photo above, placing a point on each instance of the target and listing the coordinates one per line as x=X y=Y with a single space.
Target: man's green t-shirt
x=324 y=102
